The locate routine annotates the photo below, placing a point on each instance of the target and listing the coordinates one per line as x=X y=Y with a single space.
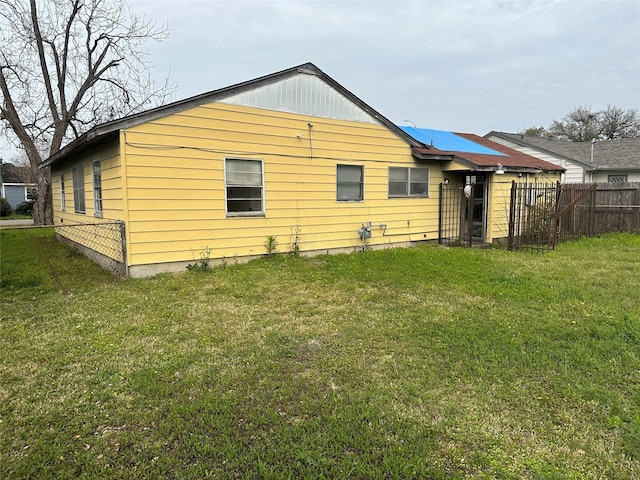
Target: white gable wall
x=305 y=94
x=574 y=174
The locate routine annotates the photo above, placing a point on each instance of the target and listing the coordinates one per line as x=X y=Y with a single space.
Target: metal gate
x=457 y=223
x=541 y=214
x=532 y=215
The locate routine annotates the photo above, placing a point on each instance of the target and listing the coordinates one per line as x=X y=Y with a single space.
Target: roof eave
x=95 y=135
x=437 y=156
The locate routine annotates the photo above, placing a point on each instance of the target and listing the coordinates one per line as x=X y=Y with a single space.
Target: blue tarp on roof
x=448 y=141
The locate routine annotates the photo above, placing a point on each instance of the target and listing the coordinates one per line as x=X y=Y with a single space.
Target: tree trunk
x=43 y=209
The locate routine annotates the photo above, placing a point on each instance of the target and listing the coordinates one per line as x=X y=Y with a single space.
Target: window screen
x=350 y=183
x=244 y=187
x=78 y=189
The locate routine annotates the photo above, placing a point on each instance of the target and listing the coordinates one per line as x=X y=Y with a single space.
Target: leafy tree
x=65 y=66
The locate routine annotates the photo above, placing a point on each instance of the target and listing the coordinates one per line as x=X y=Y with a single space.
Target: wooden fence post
x=636 y=214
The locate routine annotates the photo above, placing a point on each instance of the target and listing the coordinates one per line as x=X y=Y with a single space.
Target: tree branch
x=43 y=62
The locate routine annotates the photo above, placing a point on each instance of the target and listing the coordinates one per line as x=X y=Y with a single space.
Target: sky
x=464 y=66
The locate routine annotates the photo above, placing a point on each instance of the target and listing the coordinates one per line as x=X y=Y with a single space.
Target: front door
x=474 y=207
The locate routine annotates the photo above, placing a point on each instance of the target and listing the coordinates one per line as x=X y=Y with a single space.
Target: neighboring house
x=612 y=161
x=14 y=185
x=490 y=168
x=293 y=155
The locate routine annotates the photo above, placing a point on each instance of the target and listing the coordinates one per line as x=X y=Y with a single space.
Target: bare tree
x=580 y=125
x=535 y=132
x=22 y=168
x=619 y=123
x=65 y=66
x=583 y=124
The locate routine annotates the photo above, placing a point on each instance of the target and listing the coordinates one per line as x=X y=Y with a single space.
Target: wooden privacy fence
x=542 y=214
x=617 y=207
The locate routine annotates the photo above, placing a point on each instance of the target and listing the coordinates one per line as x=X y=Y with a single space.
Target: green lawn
x=16 y=216
x=402 y=363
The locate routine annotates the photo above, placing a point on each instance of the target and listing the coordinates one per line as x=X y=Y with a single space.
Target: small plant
x=5 y=207
x=271 y=245
x=203 y=263
x=294 y=251
x=366 y=246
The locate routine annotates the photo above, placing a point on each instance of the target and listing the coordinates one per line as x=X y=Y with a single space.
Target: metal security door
x=474 y=208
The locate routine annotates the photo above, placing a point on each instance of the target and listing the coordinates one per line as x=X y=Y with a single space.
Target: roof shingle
x=621 y=153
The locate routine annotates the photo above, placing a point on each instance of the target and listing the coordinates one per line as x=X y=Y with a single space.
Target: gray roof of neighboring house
x=10 y=173
x=619 y=154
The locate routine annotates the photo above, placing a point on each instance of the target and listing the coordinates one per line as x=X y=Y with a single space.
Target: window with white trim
x=408 y=182
x=78 y=189
x=617 y=179
x=63 y=198
x=350 y=183
x=97 y=189
x=244 y=185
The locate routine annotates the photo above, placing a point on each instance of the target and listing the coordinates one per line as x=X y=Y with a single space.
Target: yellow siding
x=176 y=190
x=498 y=207
x=500 y=200
x=112 y=204
x=111 y=186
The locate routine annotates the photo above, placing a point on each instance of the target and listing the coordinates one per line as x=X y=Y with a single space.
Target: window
x=97 y=189
x=617 y=179
x=350 y=183
x=244 y=187
x=63 y=200
x=32 y=194
x=408 y=182
x=78 y=189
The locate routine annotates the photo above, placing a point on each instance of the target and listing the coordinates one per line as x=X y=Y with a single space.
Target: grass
x=16 y=216
x=408 y=363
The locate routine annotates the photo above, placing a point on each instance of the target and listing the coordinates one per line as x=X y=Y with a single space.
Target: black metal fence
x=532 y=211
x=543 y=214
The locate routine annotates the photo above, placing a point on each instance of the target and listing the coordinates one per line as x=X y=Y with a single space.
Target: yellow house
x=292 y=157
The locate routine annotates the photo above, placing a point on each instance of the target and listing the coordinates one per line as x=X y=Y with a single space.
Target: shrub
x=25 y=208
x=271 y=245
x=5 y=208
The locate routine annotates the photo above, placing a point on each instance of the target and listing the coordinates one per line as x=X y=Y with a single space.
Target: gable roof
x=618 y=154
x=478 y=153
x=260 y=92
